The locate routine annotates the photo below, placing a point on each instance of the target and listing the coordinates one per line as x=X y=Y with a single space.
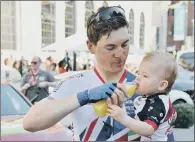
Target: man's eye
x=145 y=76
x=125 y=46
x=110 y=47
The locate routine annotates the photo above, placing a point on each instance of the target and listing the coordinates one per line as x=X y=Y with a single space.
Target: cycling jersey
x=157 y=111
x=87 y=126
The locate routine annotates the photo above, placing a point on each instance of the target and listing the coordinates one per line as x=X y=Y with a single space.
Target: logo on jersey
x=150 y=108
x=79 y=75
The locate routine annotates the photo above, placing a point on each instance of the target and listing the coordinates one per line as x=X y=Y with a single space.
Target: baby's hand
x=116 y=112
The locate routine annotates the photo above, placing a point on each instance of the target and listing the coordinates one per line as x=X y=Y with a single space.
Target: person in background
x=47 y=65
x=23 y=66
x=67 y=62
x=53 y=70
x=14 y=72
x=20 y=69
x=5 y=70
x=16 y=65
x=50 y=59
x=36 y=82
x=62 y=67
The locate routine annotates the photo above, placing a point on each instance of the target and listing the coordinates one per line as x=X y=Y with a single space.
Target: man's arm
x=50 y=82
x=23 y=85
x=46 y=114
x=50 y=77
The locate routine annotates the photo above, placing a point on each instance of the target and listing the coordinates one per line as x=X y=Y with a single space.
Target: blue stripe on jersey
x=82 y=134
x=130 y=77
x=117 y=127
x=106 y=131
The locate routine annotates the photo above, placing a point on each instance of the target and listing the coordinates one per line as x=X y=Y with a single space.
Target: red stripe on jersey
x=170 y=112
x=120 y=81
x=99 y=75
x=153 y=124
x=123 y=138
x=91 y=127
x=123 y=76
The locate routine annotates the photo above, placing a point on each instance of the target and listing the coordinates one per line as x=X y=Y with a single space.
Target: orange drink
x=131 y=89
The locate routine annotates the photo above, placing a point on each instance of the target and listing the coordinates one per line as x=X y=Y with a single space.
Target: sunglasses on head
x=34 y=63
x=107 y=13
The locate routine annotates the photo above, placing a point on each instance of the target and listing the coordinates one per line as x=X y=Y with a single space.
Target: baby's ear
x=163 y=85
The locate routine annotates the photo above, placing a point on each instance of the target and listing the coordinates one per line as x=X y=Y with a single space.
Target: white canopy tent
x=76 y=42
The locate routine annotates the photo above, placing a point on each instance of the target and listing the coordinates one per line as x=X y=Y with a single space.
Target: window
x=89 y=7
x=105 y=3
x=186 y=60
x=8 y=25
x=131 y=26
x=17 y=105
x=70 y=14
x=142 y=30
x=48 y=17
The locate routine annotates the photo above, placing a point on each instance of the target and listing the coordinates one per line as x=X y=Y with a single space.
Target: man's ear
x=90 y=47
x=163 y=85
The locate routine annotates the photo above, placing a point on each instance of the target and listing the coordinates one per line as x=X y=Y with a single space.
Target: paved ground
x=184 y=134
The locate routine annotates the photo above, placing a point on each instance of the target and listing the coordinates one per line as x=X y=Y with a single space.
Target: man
x=108 y=40
x=67 y=61
x=35 y=83
x=6 y=69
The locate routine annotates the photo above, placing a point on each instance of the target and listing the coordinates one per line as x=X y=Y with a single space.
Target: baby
x=153 y=110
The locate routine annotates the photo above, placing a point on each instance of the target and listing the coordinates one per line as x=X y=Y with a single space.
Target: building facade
x=29 y=26
x=187 y=41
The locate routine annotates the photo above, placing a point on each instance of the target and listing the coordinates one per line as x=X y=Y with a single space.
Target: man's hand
x=26 y=86
x=43 y=84
x=108 y=92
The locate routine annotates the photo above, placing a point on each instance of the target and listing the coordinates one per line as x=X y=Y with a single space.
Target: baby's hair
x=166 y=63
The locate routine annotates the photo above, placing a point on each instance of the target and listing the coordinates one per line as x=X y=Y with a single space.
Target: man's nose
x=119 y=53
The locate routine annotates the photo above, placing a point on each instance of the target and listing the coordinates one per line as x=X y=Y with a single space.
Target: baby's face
x=149 y=78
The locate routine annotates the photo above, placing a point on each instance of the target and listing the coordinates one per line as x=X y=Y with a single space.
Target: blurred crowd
x=34 y=77
x=14 y=70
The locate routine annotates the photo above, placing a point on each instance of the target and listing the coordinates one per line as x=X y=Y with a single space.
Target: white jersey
x=87 y=126
x=157 y=111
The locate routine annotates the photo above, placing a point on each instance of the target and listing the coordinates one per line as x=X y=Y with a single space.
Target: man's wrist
x=83 y=97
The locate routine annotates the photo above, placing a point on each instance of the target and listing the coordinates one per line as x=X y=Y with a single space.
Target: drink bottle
x=101 y=107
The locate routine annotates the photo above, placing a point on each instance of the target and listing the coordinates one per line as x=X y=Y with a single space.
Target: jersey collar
x=156 y=94
x=120 y=81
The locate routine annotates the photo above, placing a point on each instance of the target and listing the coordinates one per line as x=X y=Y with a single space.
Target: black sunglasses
x=107 y=13
x=34 y=63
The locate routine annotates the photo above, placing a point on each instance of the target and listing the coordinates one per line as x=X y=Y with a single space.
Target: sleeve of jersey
x=155 y=114
x=64 y=88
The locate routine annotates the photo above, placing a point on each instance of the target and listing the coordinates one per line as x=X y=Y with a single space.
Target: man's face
x=111 y=52
x=35 y=63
